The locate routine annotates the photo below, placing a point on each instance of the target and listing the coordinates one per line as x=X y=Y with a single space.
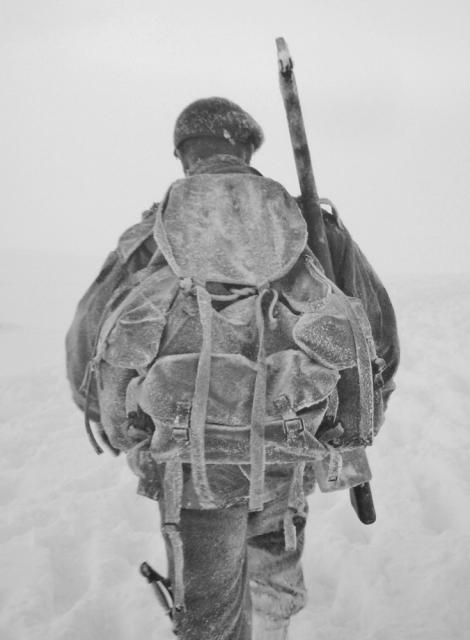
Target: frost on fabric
x=73 y=532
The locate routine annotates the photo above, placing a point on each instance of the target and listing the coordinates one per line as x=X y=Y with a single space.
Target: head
x=214 y=126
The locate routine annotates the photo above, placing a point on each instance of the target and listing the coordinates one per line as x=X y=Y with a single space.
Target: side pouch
x=131 y=335
x=140 y=430
x=112 y=383
x=324 y=334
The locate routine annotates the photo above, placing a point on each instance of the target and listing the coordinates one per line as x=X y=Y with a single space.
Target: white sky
x=92 y=90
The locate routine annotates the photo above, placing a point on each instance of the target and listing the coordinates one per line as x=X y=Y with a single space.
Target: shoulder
x=136 y=235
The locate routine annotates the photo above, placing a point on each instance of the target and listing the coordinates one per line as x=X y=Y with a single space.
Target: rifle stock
x=311 y=209
x=361 y=496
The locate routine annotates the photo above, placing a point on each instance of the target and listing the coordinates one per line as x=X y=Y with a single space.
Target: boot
x=264 y=628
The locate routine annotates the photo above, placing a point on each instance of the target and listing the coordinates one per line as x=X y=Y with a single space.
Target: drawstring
x=235 y=295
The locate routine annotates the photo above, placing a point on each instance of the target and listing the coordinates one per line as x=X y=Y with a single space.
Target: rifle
x=361 y=495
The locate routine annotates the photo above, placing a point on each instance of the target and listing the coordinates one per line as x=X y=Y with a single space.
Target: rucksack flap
x=230 y=228
x=324 y=333
x=294 y=384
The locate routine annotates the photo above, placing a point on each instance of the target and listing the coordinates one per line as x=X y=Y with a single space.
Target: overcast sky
x=92 y=90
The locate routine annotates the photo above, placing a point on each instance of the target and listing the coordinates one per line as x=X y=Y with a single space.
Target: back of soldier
x=234 y=563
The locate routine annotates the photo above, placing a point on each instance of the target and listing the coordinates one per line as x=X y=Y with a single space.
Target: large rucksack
x=232 y=347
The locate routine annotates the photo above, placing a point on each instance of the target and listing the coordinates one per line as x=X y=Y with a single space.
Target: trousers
x=235 y=562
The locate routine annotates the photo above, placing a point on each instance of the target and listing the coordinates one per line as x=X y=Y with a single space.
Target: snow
x=73 y=532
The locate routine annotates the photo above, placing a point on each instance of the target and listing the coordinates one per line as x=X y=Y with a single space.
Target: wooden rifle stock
x=311 y=209
x=361 y=496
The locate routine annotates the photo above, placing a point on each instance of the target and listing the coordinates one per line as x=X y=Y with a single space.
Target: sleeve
x=136 y=247
x=355 y=277
x=81 y=337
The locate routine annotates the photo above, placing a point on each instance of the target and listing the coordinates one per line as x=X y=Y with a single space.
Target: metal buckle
x=180 y=429
x=180 y=433
x=293 y=427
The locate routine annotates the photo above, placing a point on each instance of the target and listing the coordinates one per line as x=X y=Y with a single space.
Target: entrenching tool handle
x=363 y=503
x=361 y=496
x=161 y=587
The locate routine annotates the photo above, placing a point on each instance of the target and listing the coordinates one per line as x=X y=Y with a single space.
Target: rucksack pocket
x=132 y=335
x=325 y=334
x=298 y=389
x=286 y=441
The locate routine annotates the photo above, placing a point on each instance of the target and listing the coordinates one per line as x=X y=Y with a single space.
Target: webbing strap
x=173 y=490
x=258 y=411
x=294 y=505
x=333 y=404
x=176 y=543
x=290 y=532
x=199 y=405
x=335 y=464
x=172 y=493
x=86 y=386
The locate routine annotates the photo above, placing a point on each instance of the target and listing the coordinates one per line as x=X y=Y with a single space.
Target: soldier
x=240 y=582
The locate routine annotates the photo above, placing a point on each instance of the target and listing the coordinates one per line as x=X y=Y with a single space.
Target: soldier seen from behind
x=214 y=352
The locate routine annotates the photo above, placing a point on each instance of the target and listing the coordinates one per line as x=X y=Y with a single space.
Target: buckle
x=293 y=427
x=180 y=431
x=181 y=434
x=171 y=528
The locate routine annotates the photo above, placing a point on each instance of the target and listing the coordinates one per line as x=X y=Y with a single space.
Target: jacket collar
x=221 y=163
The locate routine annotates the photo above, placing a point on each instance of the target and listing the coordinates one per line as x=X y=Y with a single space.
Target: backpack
x=232 y=347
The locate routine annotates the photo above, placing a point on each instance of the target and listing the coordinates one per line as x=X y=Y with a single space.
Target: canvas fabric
x=298 y=351
x=133 y=433
x=353 y=275
x=228 y=349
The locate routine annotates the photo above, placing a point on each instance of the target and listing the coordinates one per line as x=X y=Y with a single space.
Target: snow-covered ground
x=73 y=532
